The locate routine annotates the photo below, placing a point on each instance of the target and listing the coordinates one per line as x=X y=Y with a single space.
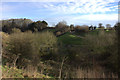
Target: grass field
x=76 y=38
x=70 y=39
x=51 y=30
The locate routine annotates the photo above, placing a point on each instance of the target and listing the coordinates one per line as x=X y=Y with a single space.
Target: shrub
x=4 y=42
x=100 y=41
x=29 y=72
x=45 y=42
x=103 y=47
x=97 y=72
x=28 y=45
x=58 y=33
x=15 y=30
x=81 y=29
x=39 y=25
x=62 y=26
x=11 y=72
x=20 y=46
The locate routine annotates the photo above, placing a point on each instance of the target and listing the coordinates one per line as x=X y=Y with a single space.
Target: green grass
x=73 y=39
x=80 y=34
x=51 y=30
x=93 y=32
x=70 y=39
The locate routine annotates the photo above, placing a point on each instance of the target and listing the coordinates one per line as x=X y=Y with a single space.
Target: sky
x=77 y=12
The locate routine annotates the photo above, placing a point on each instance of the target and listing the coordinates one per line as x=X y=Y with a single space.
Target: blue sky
x=77 y=12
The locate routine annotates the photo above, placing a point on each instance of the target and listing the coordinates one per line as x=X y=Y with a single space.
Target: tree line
x=61 y=27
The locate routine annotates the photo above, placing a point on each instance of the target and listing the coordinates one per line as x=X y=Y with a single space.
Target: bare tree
x=15 y=60
x=61 y=67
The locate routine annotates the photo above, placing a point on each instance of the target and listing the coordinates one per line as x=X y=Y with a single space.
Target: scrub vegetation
x=35 y=50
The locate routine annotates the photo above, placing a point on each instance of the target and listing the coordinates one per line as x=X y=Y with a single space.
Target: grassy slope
x=76 y=38
x=70 y=39
x=51 y=30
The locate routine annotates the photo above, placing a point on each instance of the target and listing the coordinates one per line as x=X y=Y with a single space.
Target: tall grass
x=97 y=72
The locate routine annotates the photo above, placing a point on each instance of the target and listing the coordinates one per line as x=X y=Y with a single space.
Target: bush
x=62 y=26
x=99 y=42
x=45 y=42
x=39 y=25
x=81 y=29
x=103 y=48
x=15 y=30
x=58 y=33
x=20 y=46
x=4 y=42
x=28 y=45
x=11 y=72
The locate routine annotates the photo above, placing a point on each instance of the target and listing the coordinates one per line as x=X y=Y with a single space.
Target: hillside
x=39 y=51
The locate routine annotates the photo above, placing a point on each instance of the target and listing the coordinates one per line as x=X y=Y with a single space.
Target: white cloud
x=82 y=6
x=36 y=0
x=53 y=0
x=86 y=7
x=99 y=17
x=73 y=6
x=86 y=19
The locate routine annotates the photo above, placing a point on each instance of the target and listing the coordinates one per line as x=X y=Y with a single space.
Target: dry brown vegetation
x=40 y=54
x=97 y=72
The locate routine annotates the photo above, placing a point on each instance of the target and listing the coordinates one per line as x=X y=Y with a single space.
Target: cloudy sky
x=78 y=12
